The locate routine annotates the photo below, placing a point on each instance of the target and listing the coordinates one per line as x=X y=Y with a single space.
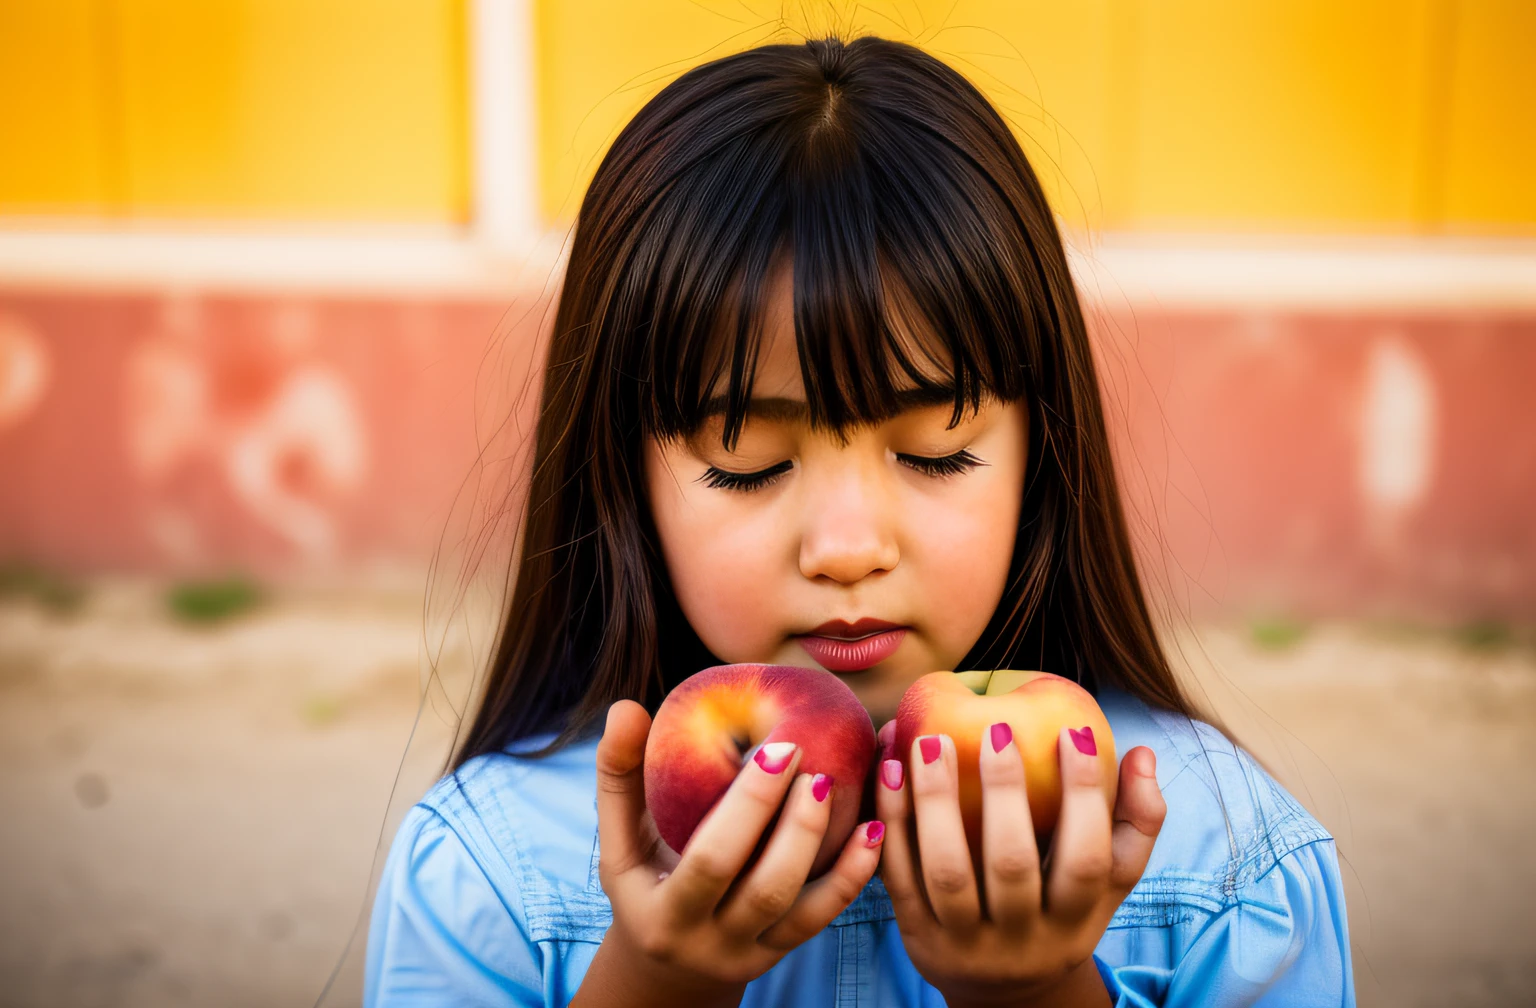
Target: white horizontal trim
x=385 y=260
x=1237 y=271
x=1116 y=269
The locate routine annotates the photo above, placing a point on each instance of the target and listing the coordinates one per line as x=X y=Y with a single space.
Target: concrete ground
x=191 y=814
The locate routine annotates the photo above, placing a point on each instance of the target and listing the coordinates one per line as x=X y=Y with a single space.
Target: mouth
x=839 y=646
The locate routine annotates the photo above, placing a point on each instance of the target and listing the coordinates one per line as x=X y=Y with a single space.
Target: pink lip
x=858 y=628
x=853 y=655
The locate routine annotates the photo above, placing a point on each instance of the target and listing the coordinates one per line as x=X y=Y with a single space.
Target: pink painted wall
x=1283 y=461
x=1368 y=463
x=279 y=436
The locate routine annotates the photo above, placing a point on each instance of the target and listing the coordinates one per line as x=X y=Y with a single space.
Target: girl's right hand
x=689 y=927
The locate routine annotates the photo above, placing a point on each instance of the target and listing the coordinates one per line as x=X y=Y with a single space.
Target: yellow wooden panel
x=295 y=108
x=1046 y=65
x=53 y=140
x=600 y=60
x=1490 y=168
x=1277 y=114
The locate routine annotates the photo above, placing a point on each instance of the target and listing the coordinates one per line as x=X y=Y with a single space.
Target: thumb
x=1139 y=812
x=622 y=748
x=621 y=786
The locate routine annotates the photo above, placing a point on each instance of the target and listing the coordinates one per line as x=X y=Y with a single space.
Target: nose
x=849 y=531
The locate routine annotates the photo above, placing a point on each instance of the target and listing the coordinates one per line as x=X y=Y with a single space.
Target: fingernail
x=874 y=832
x=775 y=756
x=891 y=774
x=821 y=784
x=1002 y=734
x=1083 y=739
x=931 y=747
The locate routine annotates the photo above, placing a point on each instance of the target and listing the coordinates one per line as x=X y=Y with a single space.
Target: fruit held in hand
x=711 y=723
x=1036 y=705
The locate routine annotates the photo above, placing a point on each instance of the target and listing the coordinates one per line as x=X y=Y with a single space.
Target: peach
x=1036 y=705
x=712 y=722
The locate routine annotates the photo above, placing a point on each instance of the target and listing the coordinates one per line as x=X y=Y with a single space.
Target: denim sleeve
x=440 y=933
x=1284 y=940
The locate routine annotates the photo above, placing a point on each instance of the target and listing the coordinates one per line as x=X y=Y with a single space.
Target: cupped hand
x=698 y=925
x=1018 y=934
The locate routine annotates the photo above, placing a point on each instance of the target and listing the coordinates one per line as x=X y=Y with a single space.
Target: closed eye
x=724 y=479
x=942 y=465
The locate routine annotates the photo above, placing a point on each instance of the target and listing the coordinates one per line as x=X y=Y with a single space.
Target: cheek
x=723 y=555
x=963 y=553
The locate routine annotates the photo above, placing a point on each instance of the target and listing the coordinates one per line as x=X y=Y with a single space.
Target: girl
x=819 y=393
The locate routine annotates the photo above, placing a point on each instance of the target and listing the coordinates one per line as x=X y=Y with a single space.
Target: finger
x=943 y=853
x=886 y=737
x=1010 y=860
x=1081 y=849
x=822 y=900
x=621 y=817
x=729 y=833
x=1139 y=813
x=769 y=888
x=898 y=865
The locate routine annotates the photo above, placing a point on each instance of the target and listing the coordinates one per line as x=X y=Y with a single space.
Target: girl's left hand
x=1030 y=939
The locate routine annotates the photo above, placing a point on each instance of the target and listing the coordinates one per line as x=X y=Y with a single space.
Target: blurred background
x=273 y=275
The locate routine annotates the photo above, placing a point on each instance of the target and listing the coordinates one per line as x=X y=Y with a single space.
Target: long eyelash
x=724 y=479
x=945 y=465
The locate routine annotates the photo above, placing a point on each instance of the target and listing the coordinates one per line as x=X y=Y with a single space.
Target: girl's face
x=880 y=557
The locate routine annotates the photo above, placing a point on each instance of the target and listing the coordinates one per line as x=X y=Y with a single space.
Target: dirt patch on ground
x=192 y=814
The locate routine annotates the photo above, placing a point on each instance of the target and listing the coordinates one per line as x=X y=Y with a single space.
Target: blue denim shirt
x=490 y=895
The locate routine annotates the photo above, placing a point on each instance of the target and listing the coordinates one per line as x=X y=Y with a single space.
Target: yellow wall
x=53 y=154
x=1489 y=160
x=1296 y=115
x=312 y=109
x=1305 y=115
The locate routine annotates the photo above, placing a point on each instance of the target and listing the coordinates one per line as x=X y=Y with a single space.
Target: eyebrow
x=797 y=410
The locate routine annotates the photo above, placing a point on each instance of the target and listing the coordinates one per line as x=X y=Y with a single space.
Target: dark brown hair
x=887 y=177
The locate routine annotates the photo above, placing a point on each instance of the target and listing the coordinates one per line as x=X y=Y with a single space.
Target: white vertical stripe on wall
x=503 y=123
x=1397 y=427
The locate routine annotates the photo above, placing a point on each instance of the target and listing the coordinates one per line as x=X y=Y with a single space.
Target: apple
x=1036 y=705
x=713 y=721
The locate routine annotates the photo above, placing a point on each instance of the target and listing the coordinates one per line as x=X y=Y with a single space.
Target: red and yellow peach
x=1035 y=705
x=711 y=722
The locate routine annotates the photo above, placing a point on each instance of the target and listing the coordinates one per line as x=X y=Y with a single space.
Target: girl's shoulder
x=1229 y=821
x=1243 y=893
x=530 y=825
x=497 y=862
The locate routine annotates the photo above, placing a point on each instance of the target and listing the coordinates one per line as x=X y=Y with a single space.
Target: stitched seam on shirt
x=847 y=978
x=1169 y=897
x=1287 y=835
x=594 y=875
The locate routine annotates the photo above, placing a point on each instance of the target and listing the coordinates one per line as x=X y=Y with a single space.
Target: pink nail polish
x=931 y=747
x=1083 y=739
x=821 y=785
x=891 y=774
x=775 y=756
x=874 y=832
x=1002 y=734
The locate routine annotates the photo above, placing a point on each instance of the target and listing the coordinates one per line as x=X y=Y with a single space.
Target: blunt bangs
x=912 y=264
